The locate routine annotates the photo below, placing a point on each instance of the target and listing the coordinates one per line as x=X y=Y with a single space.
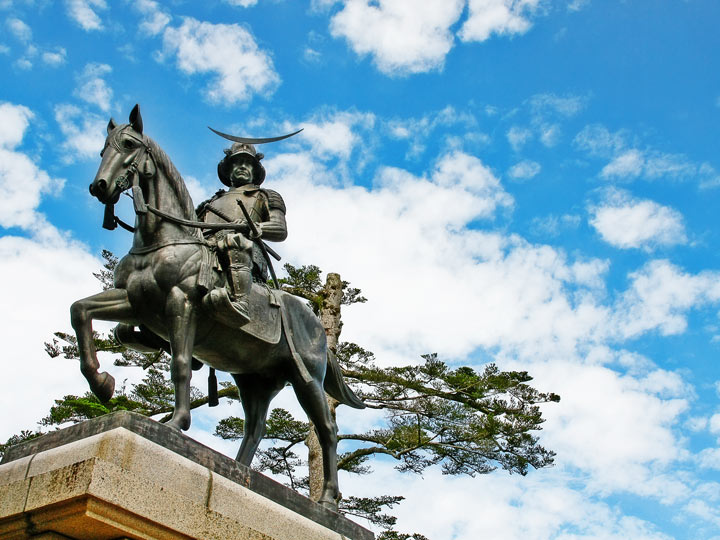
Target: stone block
x=126 y=476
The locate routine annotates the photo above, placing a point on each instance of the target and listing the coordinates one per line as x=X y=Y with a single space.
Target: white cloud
x=56 y=265
x=626 y=223
x=524 y=170
x=402 y=36
x=628 y=161
x=23 y=63
x=539 y=506
x=19 y=29
x=714 y=424
x=502 y=17
x=229 y=52
x=155 y=18
x=629 y=164
x=709 y=458
x=550 y=134
x=92 y=86
x=564 y=105
x=418 y=131
x=577 y=5
x=84 y=132
x=199 y=191
x=517 y=137
x=241 y=3
x=55 y=58
x=331 y=135
x=659 y=296
x=552 y=225
x=29 y=269
x=597 y=140
x=22 y=183
x=620 y=444
x=84 y=13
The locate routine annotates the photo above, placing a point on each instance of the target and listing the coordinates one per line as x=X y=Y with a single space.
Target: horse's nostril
x=91 y=189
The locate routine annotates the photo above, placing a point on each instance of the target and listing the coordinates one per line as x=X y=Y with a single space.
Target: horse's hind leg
x=312 y=399
x=256 y=393
x=110 y=305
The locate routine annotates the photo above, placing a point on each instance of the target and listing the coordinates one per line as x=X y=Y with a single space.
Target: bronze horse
x=159 y=287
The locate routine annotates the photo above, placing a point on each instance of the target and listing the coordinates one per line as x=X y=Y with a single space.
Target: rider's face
x=242 y=171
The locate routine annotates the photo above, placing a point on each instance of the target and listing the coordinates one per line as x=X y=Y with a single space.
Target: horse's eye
x=127 y=143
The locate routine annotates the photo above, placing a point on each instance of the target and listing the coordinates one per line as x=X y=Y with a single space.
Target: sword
x=255 y=237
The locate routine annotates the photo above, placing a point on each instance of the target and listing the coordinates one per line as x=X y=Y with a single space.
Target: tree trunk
x=330 y=318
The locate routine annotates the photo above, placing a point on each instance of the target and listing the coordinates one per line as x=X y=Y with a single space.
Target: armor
x=239 y=257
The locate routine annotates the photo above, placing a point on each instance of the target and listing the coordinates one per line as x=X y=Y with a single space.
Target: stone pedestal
x=126 y=476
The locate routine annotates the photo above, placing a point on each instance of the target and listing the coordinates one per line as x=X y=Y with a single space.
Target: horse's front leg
x=110 y=305
x=182 y=316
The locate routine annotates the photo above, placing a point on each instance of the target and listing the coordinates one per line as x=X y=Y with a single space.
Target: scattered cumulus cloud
x=84 y=13
x=625 y=222
x=550 y=134
x=405 y=37
x=22 y=182
x=553 y=225
x=228 y=52
x=155 y=19
x=517 y=137
x=56 y=57
x=84 y=132
x=92 y=87
x=659 y=296
x=241 y=3
x=629 y=161
x=333 y=136
x=501 y=17
x=597 y=140
x=567 y=106
x=19 y=29
x=402 y=36
x=650 y=165
x=23 y=63
x=524 y=170
x=577 y=5
x=418 y=131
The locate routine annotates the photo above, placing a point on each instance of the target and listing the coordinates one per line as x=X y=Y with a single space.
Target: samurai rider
x=240 y=257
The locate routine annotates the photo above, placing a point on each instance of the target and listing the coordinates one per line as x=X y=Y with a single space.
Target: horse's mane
x=163 y=162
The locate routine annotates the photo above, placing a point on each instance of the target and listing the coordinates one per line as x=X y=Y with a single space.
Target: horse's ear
x=136 y=119
x=111 y=125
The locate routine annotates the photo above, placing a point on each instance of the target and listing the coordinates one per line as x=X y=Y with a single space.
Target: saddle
x=265 y=318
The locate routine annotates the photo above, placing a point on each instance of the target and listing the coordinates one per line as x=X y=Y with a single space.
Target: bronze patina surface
x=194 y=291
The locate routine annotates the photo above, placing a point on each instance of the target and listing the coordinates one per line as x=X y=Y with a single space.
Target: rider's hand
x=244 y=228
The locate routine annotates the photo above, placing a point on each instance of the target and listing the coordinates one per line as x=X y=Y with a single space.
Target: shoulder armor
x=275 y=201
x=201 y=207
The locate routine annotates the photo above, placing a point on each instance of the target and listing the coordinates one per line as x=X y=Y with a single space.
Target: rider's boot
x=241 y=284
x=230 y=304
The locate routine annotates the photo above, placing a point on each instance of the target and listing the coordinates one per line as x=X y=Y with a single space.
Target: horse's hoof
x=330 y=505
x=105 y=387
x=181 y=423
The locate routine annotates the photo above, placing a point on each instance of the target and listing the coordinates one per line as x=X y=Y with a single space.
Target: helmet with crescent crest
x=236 y=151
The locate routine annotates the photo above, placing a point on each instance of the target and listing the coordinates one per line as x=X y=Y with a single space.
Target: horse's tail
x=336 y=386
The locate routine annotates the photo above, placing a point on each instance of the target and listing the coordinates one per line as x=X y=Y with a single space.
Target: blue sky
x=529 y=181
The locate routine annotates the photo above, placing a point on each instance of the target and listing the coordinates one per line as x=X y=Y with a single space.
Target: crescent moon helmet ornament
x=249 y=140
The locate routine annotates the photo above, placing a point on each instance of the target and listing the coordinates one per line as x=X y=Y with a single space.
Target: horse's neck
x=150 y=229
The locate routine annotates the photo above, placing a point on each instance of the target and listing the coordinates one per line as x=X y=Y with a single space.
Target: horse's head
x=126 y=153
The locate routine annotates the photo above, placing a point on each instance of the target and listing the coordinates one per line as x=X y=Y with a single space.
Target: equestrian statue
x=196 y=284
